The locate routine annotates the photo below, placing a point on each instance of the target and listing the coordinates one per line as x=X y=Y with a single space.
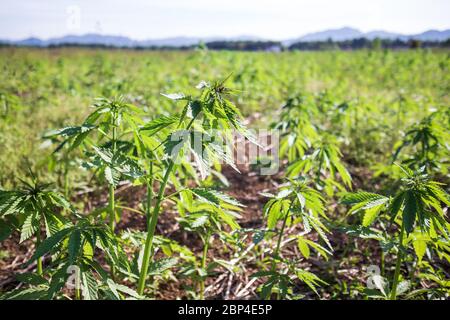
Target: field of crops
x=116 y=181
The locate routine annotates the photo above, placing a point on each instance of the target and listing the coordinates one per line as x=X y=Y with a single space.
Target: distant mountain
x=432 y=35
x=32 y=42
x=383 y=35
x=170 y=42
x=341 y=34
x=176 y=41
x=91 y=39
x=333 y=34
x=120 y=41
x=189 y=41
x=347 y=33
x=87 y=39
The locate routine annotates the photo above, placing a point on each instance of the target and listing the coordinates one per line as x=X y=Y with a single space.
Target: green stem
x=398 y=264
x=280 y=236
x=112 y=218
x=130 y=209
x=112 y=204
x=112 y=208
x=148 y=212
x=39 y=260
x=149 y=193
x=151 y=229
x=203 y=264
x=77 y=293
x=277 y=250
x=152 y=225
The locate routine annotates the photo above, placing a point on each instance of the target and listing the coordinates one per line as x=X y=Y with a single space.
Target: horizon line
x=218 y=36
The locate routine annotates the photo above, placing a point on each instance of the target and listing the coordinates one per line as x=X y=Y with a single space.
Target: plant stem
x=149 y=193
x=39 y=260
x=203 y=264
x=152 y=225
x=148 y=211
x=112 y=214
x=398 y=264
x=151 y=229
x=112 y=208
x=77 y=293
x=280 y=236
x=112 y=218
x=112 y=204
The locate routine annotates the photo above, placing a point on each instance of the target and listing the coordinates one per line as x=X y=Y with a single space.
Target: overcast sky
x=275 y=19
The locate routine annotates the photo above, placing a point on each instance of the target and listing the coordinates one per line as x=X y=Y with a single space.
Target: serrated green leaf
x=409 y=211
x=31 y=278
x=303 y=247
x=29 y=228
x=274 y=214
x=420 y=247
x=49 y=244
x=157 y=124
x=358 y=197
x=89 y=286
x=74 y=245
x=161 y=265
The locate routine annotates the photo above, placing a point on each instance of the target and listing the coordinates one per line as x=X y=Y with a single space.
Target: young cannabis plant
x=416 y=209
x=205 y=216
x=28 y=209
x=192 y=132
x=429 y=140
x=310 y=151
x=110 y=119
x=295 y=203
x=323 y=163
x=295 y=125
x=73 y=249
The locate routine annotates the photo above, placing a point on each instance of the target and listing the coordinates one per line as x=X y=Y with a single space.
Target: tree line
x=354 y=44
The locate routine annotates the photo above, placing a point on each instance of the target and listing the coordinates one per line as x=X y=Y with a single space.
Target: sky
x=272 y=19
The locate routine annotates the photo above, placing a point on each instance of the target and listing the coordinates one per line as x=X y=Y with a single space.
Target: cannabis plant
x=295 y=204
x=206 y=216
x=428 y=144
x=196 y=131
x=73 y=265
x=418 y=213
x=323 y=164
x=309 y=150
x=31 y=208
x=296 y=128
x=108 y=155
